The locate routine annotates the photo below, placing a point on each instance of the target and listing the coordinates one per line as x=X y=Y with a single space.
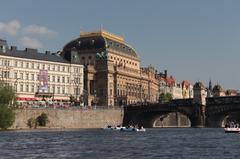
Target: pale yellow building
x=22 y=68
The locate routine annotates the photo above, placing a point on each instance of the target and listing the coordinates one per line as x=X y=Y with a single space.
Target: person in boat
x=140 y=127
x=129 y=126
x=237 y=125
x=227 y=125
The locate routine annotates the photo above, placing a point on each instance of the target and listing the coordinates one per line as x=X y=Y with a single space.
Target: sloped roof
x=33 y=54
x=98 y=41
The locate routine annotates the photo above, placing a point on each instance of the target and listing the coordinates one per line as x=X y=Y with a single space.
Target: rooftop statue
x=102 y=55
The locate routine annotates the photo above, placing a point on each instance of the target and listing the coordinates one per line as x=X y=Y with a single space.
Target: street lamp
x=75 y=85
x=15 y=84
x=95 y=99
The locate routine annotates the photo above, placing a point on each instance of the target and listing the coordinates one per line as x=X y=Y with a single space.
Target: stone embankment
x=71 y=118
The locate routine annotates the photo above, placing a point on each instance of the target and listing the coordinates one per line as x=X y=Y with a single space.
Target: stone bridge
x=210 y=115
x=219 y=108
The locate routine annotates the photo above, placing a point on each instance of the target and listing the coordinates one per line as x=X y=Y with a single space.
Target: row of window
x=130 y=93
x=123 y=61
x=34 y=88
x=51 y=78
x=31 y=77
x=111 y=43
x=34 y=77
x=32 y=65
x=119 y=60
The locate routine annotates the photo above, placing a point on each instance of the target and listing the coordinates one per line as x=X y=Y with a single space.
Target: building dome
x=96 y=42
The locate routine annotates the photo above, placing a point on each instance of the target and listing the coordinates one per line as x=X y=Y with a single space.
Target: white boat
x=232 y=130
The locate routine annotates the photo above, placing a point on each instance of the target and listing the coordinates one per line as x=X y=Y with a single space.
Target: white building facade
x=22 y=69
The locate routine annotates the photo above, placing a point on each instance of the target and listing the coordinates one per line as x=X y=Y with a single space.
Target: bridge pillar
x=198 y=116
x=197 y=121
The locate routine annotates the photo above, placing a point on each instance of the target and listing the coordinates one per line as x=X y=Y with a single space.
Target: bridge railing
x=223 y=100
x=181 y=102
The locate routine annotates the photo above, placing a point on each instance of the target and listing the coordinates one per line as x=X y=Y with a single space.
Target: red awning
x=26 y=99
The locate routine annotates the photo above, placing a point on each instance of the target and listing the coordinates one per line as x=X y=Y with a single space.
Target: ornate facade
x=112 y=73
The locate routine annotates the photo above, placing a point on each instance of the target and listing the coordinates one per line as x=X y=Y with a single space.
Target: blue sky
x=196 y=40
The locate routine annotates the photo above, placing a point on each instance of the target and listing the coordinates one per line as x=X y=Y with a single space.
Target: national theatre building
x=112 y=72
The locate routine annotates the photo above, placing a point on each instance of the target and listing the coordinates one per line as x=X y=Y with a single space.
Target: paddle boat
x=232 y=127
x=232 y=130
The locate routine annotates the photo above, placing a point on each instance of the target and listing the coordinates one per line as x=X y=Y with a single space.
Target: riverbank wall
x=71 y=118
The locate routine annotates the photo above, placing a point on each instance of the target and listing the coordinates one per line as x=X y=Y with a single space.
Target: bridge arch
x=149 y=118
x=219 y=118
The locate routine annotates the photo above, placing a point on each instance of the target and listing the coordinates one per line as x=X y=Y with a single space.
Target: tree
x=42 y=119
x=163 y=98
x=72 y=99
x=32 y=123
x=83 y=98
x=7 y=117
x=7 y=106
x=7 y=95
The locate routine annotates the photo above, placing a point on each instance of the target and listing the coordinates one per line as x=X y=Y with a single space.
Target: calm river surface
x=96 y=143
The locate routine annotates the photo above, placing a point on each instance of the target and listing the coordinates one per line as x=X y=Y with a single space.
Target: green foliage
x=7 y=117
x=163 y=98
x=81 y=99
x=32 y=123
x=7 y=103
x=72 y=98
x=84 y=97
x=42 y=119
x=7 y=95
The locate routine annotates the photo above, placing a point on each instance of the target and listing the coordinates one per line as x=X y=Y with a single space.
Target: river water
x=158 y=143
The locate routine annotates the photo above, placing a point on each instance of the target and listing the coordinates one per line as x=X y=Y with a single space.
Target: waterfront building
x=112 y=73
x=185 y=89
x=149 y=84
x=177 y=91
x=166 y=83
x=37 y=75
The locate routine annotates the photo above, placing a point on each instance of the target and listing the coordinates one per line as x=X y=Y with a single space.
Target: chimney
x=13 y=48
x=165 y=73
x=31 y=50
x=47 y=52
